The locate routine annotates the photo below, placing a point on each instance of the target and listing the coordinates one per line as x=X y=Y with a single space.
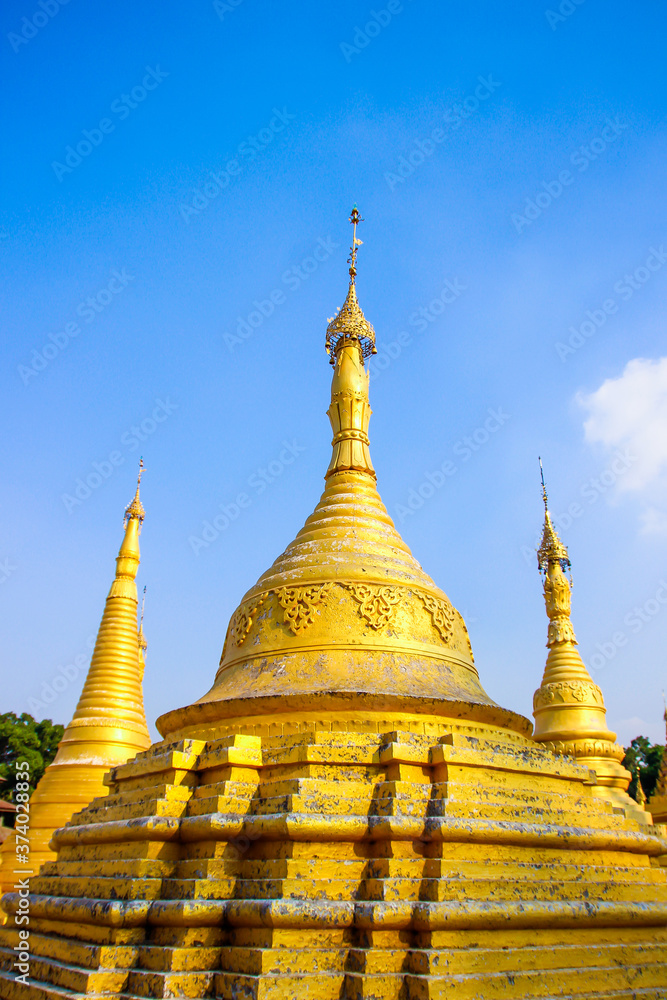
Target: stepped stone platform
x=342 y=858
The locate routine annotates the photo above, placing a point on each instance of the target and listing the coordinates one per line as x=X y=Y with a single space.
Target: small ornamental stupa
x=109 y=724
x=569 y=710
x=346 y=814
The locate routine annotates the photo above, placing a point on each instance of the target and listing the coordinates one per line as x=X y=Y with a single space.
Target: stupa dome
x=346 y=608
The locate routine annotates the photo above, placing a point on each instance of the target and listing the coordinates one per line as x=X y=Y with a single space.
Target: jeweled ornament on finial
x=349 y=325
x=551 y=548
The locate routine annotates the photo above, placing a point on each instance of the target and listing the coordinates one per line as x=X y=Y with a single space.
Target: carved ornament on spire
x=551 y=548
x=136 y=508
x=349 y=325
x=553 y=561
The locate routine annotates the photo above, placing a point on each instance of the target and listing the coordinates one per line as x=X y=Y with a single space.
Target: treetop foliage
x=23 y=738
x=643 y=758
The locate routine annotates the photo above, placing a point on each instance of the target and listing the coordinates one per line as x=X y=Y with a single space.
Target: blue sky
x=173 y=232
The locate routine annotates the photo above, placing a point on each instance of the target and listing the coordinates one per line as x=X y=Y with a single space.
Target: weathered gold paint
x=109 y=724
x=346 y=814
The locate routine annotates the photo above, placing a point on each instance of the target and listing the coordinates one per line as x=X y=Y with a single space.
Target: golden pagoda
x=568 y=707
x=109 y=724
x=657 y=804
x=346 y=814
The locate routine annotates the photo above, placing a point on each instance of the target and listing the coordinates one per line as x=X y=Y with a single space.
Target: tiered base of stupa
x=390 y=857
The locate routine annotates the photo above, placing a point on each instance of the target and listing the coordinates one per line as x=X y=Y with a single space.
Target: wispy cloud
x=631 y=412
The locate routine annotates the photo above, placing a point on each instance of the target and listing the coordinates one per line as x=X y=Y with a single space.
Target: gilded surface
x=587 y=748
x=377 y=604
x=299 y=604
x=344 y=861
x=442 y=614
x=350 y=325
x=568 y=692
x=242 y=621
x=560 y=630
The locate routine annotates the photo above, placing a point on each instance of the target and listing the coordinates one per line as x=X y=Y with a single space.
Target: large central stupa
x=346 y=814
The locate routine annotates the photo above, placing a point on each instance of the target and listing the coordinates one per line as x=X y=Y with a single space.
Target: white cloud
x=630 y=413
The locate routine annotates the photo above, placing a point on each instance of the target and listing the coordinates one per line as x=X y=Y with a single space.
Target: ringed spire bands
x=109 y=724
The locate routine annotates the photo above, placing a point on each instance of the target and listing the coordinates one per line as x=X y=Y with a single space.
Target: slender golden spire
x=553 y=561
x=112 y=692
x=568 y=707
x=109 y=724
x=350 y=340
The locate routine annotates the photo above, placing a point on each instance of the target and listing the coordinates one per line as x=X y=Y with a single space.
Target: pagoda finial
x=544 y=488
x=349 y=325
x=136 y=508
x=551 y=548
x=552 y=561
x=350 y=340
x=355 y=218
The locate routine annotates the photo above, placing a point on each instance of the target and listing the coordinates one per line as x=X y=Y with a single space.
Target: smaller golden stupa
x=569 y=711
x=109 y=724
x=657 y=804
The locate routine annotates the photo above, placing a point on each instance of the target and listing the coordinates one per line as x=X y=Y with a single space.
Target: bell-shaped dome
x=346 y=616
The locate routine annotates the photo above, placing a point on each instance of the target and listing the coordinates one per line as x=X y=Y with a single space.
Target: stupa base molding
x=447 y=862
x=339 y=711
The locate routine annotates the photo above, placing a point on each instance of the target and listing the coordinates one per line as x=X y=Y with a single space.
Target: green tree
x=23 y=738
x=644 y=758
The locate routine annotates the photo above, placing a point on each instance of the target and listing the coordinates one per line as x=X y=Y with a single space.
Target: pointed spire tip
x=551 y=548
x=544 y=488
x=136 y=508
x=349 y=325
